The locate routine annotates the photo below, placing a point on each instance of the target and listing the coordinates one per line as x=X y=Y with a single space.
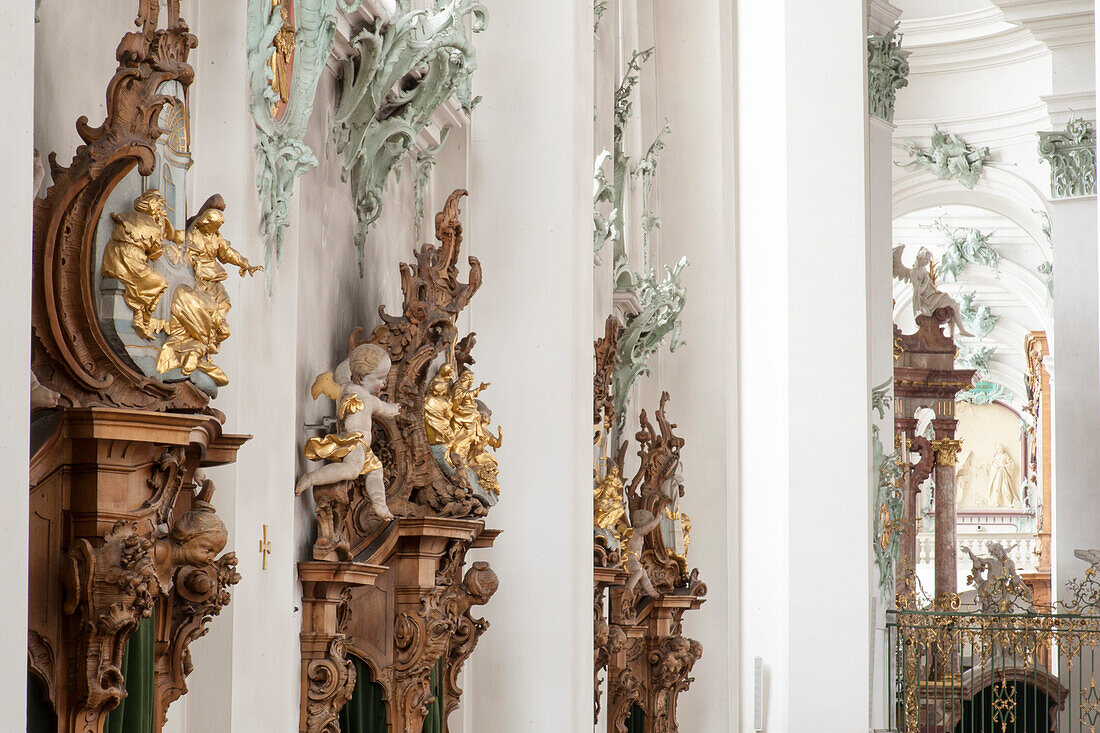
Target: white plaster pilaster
x=16 y=156
x=804 y=362
x=529 y=220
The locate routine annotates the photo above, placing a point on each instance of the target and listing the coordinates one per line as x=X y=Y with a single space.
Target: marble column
x=803 y=363
x=16 y=130
x=947 y=450
x=529 y=220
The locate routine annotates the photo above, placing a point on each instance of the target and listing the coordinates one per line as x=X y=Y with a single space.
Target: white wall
x=530 y=222
x=16 y=129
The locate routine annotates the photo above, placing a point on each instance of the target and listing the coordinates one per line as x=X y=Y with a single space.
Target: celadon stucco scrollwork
x=975 y=358
x=978 y=319
x=948 y=157
x=281 y=154
x=887 y=72
x=965 y=246
x=887 y=479
x=403 y=72
x=1071 y=154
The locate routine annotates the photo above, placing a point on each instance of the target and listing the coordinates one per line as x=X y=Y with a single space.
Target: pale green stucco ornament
x=948 y=157
x=661 y=302
x=886 y=481
x=599 y=7
x=422 y=172
x=975 y=358
x=281 y=154
x=887 y=72
x=965 y=246
x=979 y=320
x=647 y=171
x=985 y=393
x=624 y=110
x=1046 y=267
x=1071 y=154
x=405 y=70
x=603 y=227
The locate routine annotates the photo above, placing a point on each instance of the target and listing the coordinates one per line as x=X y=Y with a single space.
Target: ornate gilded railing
x=1003 y=666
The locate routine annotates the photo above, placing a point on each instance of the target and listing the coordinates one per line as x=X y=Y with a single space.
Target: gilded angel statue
x=455 y=419
x=353 y=385
x=927 y=297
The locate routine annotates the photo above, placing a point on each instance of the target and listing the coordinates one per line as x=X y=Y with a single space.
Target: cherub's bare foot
x=303 y=484
x=383 y=512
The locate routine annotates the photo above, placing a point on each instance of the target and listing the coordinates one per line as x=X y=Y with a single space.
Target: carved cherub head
x=369 y=366
x=480 y=583
x=199 y=536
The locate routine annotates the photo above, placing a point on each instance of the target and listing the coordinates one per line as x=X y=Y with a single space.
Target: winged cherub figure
x=927 y=297
x=353 y=385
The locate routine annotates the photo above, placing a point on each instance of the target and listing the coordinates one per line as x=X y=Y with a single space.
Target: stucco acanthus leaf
x=1046 y=267
x=647 y=171
x=404 y=71
x=887 y=72
x=661 y=302
x=281 y=154
x=965 y=246
x=602 y=193
x=1071 y=154
x=599 y=7
x=948 y=157
x=979 y=320
x=422 y=166
x=975 y=358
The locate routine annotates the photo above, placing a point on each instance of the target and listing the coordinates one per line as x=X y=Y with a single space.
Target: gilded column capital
x=947 y=451
x=1071 y=154
x=887 y=72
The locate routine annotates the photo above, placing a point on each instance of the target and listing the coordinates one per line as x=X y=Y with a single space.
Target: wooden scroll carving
x=122 y=516
x=398 y=595
x=647 y=657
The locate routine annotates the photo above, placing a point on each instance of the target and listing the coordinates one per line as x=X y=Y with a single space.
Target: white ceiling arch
x=999 y=191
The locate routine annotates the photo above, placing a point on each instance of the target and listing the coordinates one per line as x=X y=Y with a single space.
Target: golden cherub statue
x=608 y=508
x=137 y=241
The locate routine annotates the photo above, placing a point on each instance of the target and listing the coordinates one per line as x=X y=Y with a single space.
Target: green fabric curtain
x=365 y=711
x=135 y=713
x=636 y=722
x=40 y=715
x=433 y=723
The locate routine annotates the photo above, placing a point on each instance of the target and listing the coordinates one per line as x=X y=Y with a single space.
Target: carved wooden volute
x=123 y=525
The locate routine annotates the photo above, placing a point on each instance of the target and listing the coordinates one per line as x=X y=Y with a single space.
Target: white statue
x=996 y=579
x=926 y=296
x=353 y=386
x=1092 y=557
x=643 y=523
x=1002 y=490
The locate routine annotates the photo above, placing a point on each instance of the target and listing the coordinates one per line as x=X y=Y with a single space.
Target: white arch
x=999 y=190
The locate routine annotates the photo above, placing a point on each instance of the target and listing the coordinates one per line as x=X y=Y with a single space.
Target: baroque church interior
x=483 y=366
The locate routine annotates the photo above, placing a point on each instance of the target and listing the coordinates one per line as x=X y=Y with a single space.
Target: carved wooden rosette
x=103 y=483
x=71 y=354
x=433 y=298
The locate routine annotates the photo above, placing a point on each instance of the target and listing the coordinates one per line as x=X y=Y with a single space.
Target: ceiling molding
x=995 y=129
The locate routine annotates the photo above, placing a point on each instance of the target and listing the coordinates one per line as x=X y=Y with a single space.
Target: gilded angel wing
x=325 y=385
x=901 y=272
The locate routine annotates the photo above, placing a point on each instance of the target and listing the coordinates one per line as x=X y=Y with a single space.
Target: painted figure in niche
x=283 y=51
x=199 y=314
x=643 y=523
x=456 y=419
x=927 y=297
x=136 y=242
x=1002 y=491
x=354 y=386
